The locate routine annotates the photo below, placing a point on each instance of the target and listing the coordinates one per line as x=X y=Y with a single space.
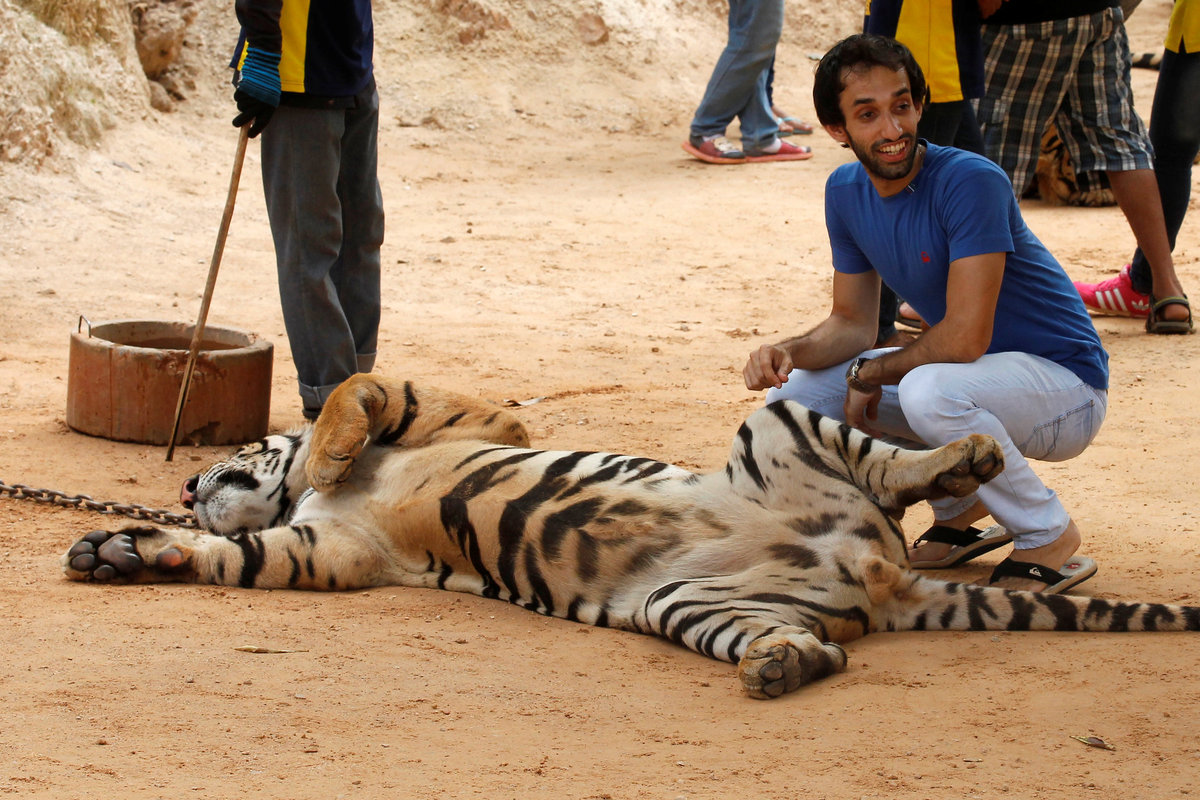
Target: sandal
x=1154 y=324
x=794 y=126
x=967 y=544
x=1077 y=570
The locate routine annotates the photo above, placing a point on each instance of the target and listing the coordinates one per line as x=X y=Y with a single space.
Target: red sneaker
x=1114 y=296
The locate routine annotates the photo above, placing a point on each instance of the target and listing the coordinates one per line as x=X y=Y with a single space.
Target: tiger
x=773 y=563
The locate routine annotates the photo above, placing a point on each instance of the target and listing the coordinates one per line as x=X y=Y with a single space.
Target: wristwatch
x=856 y=383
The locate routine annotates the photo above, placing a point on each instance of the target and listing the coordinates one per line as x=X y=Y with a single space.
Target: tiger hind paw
x=978 y=460
x=783 y=662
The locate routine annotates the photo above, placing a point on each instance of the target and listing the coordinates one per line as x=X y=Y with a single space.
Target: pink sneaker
x=1114 y=296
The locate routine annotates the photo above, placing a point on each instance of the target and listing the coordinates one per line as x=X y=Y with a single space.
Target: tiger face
x=256 y=488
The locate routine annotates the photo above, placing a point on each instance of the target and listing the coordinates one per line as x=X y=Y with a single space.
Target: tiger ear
x=880 y=578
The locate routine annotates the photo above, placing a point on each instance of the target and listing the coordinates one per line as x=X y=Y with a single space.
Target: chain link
x=20 y=492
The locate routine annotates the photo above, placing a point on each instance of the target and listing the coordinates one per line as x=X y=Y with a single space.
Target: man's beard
x=889 y=172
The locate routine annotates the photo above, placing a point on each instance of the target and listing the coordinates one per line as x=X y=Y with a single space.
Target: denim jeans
x=1034 y=408
x=1175 y=134
x=738 y=86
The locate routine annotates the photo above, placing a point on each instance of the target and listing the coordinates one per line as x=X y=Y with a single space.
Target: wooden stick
x=214 y=265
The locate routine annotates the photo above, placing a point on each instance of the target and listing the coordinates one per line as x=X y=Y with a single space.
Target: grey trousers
x=319 y=169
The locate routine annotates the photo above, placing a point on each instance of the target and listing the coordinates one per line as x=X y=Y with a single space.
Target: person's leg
x=1136 y=192
x=939 y=122
x=1035 y=409
x=356 y=275
x=1175 y=135
x=301 y=161
x=1026 y=68
x=737 y=87
x=889 y=307
x=967 y=137
x=1101 y=131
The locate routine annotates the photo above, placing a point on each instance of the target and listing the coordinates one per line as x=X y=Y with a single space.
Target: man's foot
x=789 y=125
x=1115 y=296
x=908 y=316
x=1055 y=581
x=943 y=547
x=1170 y=315
x=714 y=150
x=932 y=549
x=1056 y=556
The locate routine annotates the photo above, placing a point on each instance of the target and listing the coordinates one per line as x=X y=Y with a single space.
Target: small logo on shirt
x=925 y=257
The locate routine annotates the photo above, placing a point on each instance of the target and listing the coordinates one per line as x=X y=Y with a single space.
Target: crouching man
x=1010 y=350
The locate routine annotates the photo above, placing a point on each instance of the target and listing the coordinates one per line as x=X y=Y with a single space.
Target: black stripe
x=392 y=435
x=516 y=514
x=557 y=525
x=252 y=558
x=749 y=465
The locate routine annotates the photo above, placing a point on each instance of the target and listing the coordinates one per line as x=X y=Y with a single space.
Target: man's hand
x=989 y=7
x=860 y=407
x=252 y=110
x=768 y=366
x=258 y=89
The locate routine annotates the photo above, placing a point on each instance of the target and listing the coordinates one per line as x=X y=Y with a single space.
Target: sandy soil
x=598 y=267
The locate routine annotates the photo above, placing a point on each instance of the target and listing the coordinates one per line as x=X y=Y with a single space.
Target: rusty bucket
x=124 y=378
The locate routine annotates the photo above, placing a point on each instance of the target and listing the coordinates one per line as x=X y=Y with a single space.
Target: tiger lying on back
x=771 y=563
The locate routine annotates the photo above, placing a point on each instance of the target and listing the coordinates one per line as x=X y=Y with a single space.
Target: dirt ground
x=599 y=268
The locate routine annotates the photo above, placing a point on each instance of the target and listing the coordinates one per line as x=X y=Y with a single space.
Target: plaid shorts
x=1074 y=72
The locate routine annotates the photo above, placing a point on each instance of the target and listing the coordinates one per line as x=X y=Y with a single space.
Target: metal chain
x=20 y=492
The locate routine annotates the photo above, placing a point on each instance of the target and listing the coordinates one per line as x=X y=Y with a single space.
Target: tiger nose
x=187 y=493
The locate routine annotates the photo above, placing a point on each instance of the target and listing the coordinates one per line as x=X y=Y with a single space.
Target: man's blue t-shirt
x=960 y=205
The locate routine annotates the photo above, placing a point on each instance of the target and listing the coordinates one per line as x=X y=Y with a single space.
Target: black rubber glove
x=252 y=109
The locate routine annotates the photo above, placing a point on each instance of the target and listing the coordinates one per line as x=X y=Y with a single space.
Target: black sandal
x=1156 y=325
x=967 y=544
x=1077 y=570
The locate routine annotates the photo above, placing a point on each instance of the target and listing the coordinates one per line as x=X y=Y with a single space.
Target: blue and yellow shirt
x=943 y=36
x=326 y=46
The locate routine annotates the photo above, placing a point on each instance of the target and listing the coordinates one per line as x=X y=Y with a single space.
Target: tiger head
x=257 y=487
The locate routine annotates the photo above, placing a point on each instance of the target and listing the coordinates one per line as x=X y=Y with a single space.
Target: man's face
x=881 y=125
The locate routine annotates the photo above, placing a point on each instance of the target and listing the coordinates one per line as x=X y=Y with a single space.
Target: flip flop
x=968 y=544
x=1156 y=325
x=1077 y=570
x=798 y=127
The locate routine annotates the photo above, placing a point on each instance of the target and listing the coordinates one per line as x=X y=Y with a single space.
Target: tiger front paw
x=336 y=444
x=113 y=557
x=783 y=662
x=327 y=468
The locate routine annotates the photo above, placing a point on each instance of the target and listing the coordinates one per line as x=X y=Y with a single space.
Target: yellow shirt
x=1184 y=27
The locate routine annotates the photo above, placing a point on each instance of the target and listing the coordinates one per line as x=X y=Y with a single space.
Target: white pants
x=1033 y=407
